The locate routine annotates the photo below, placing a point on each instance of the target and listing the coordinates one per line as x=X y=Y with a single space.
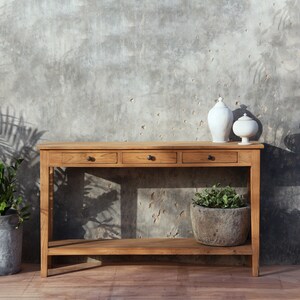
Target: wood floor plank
x=156 y=281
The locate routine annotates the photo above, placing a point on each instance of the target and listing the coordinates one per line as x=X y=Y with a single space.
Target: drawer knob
x=151 y=157
x=210 y=157
x=90 y=158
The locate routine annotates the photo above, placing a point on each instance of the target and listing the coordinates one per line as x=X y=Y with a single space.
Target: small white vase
x=245 y=127
x=220 y=119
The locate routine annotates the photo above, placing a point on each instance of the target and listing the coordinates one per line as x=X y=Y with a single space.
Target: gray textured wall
x=90 y=70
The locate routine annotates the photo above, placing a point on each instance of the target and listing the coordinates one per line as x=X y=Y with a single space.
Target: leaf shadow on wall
x=239 y=112
x=17 y=140
x=83 y=207
x=280 y=202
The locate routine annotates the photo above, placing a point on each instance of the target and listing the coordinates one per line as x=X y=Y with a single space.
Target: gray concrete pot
x=220 y=226
x=10 y=245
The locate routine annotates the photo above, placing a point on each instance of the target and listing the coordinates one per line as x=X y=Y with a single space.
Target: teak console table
x=150 y=154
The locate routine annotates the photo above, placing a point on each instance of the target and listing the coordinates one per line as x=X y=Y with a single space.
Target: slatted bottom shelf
x=151 y=246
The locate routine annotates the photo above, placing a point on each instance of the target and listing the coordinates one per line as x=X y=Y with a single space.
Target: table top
x=169 y=145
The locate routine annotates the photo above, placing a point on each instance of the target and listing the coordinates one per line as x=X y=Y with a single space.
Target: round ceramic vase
x=245 y=127
x=220 y=119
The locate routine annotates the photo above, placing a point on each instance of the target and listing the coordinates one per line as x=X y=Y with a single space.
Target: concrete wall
x=90 y=70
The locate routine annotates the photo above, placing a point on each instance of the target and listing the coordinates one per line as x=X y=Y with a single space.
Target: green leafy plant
x=219 y=197
x=9 y=202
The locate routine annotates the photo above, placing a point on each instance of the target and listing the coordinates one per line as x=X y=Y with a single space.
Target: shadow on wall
x=280 y=203
x=73 y=207
x=84 y=207
x=132 y=202
x=96 y=203
x=17 y=140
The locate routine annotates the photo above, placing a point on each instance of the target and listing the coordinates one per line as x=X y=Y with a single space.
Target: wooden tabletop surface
x=145 y=145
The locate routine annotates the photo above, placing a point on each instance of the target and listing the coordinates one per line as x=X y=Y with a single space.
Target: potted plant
x=220 y=217
x=12 y=214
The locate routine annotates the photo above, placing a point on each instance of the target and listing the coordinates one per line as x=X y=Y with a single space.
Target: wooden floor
x=154 y=281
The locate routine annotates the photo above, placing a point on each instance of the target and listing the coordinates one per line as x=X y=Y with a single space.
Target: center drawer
x=89 y=158
x=149 y=157
x=210 y=157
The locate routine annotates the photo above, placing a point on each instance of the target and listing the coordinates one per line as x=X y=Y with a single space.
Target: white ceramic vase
x=220 y=119
x=245 y=127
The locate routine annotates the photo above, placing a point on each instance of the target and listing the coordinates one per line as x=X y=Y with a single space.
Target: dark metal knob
x=210 y=157
x=90 y=158
x=151 y=157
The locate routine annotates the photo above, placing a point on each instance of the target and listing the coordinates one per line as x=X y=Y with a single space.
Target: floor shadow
x=283 y=269
x=67 y=269
x=17 y=140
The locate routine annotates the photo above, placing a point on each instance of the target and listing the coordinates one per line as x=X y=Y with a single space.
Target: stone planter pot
x=219 y=226
x=10 y=245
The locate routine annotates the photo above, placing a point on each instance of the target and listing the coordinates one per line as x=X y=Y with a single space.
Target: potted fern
x=12 y=214
x=220 y=217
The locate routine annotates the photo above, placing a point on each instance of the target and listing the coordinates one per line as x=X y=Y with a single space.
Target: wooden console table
x=150 y=154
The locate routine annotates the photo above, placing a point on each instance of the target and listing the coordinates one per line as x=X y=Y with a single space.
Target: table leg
x=255 y=210
x=51 y=199
x=44 y=208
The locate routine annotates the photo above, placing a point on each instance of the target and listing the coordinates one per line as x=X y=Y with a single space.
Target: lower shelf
x=151 y=246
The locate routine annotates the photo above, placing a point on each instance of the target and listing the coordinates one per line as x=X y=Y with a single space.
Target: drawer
x=209 y=157
x=149 y=157
x=89 y=158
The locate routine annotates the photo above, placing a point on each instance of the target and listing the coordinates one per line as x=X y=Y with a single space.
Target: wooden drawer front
x=89 y=158
x=209 y=157
x=149 y=157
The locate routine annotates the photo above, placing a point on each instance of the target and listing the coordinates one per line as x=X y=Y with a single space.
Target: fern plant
x=9 y=202
x=219 y=197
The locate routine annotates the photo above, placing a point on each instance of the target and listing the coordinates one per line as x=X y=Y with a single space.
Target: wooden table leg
x=255 y=210
x=44 y=208
x=51 y=199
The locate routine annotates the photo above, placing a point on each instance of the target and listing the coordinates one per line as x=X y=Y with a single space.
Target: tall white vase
x=220 y=119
